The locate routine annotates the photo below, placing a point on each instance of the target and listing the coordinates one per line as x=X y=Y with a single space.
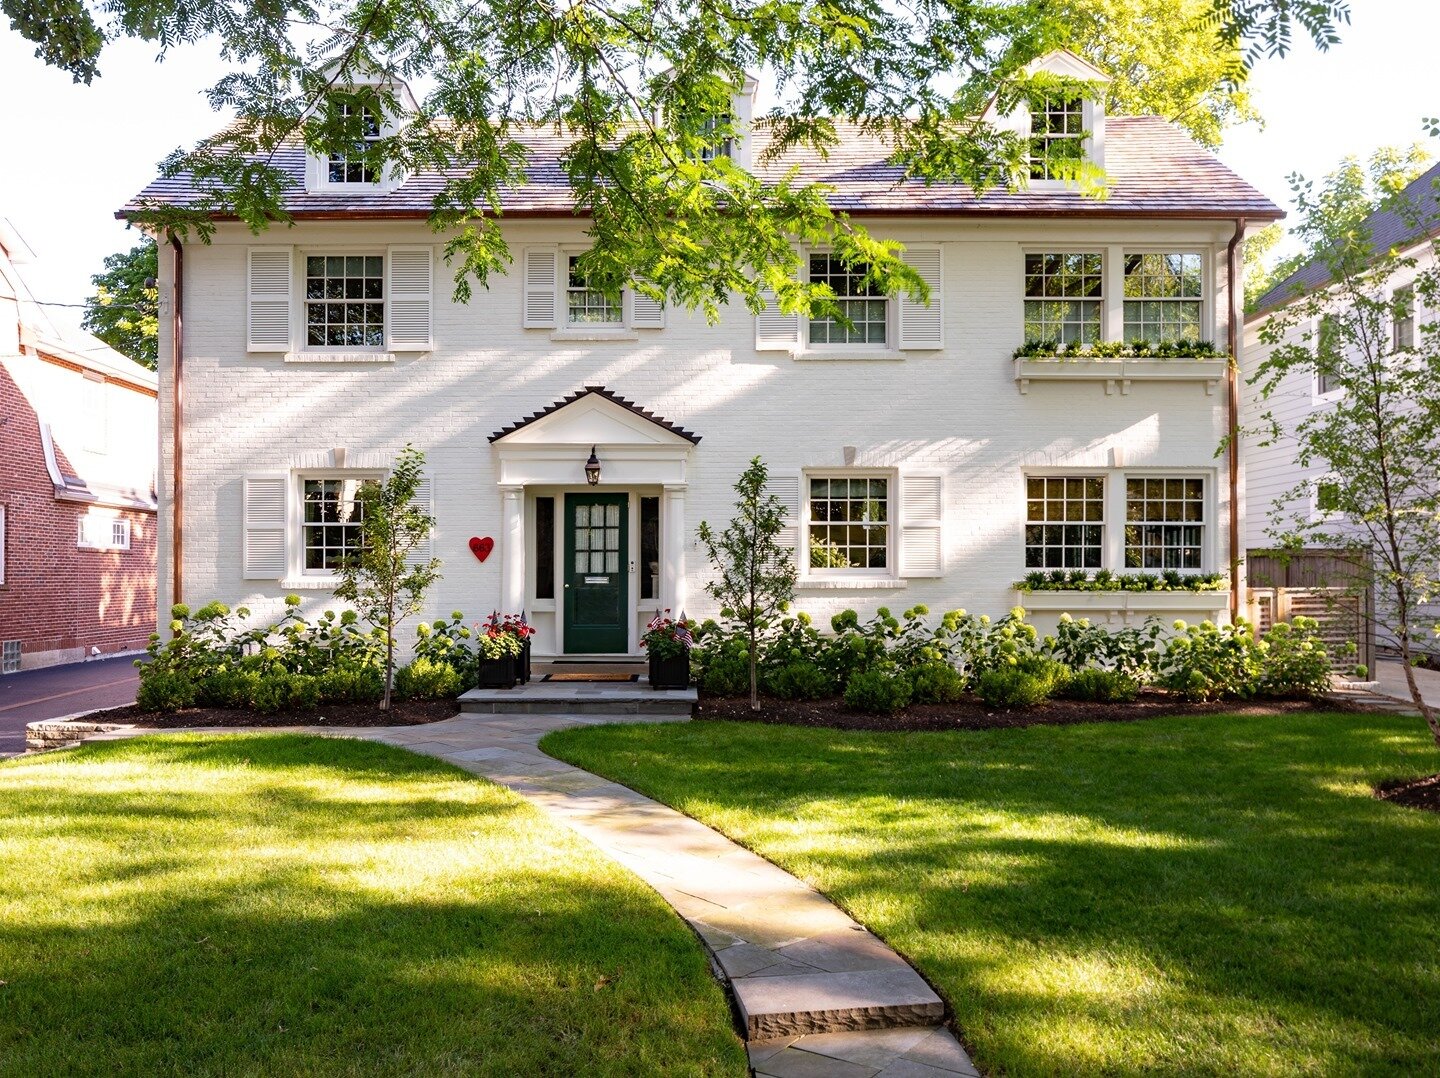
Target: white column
x=512 y=550
x=672 y=562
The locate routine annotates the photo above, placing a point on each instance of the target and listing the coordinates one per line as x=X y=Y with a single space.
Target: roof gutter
x=1232 y=385
x=177 y=400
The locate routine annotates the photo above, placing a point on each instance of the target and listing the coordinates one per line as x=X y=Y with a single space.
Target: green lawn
x=293 y=905
x=1201 y=895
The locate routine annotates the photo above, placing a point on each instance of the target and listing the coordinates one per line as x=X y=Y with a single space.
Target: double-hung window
x=1057 y=135
x=331 y=515
x=1064 y=521
x=102 y=531
x=351 y=167
x=863 y=304
x=586 y=305
x=1164 y=523
x=1327 y=355
x=848 y=518
x=345 y=301
x=1403 y=313
x=1164 y=297
x=1064 y=295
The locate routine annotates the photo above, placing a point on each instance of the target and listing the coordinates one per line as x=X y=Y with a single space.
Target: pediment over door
x=635 y=446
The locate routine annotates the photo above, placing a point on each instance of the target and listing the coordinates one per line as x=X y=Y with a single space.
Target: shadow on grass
x=1194 y=894
x=305 y=905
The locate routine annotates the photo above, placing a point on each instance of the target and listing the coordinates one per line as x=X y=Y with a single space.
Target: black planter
x=498 y=673
x=670 y=673
x=524 y=670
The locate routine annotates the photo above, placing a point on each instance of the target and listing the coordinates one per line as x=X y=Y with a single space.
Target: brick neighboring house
x=77 y=478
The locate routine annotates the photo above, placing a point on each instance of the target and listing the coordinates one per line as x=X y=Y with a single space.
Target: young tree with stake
x=380 y=577
x=754 y=573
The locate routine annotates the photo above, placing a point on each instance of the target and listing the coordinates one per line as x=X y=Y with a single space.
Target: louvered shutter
x=408 y=305
x=263 y=526
x=922 y=516
x=645 y=312
x=424 y=501
x=269 y=294
x=922 y=326
x=776 y=331
x=786 y=487
x=541 y=300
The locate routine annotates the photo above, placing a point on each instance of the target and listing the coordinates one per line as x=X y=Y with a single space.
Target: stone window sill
x=311 y=583
x=593 y=335
x=339 y=357
x=840 y=583
x=858 y=356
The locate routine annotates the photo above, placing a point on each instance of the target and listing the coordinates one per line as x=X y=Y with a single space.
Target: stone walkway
x=816 y=994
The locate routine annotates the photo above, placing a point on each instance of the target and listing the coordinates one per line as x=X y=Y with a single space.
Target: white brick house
x=912 y=459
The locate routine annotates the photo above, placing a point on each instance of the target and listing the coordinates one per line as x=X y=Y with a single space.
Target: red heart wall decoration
x=481 y=547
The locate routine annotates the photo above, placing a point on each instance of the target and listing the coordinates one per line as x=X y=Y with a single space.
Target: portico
x=590 y=561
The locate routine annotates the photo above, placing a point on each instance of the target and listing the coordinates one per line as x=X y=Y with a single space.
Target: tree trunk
x=389 y=668
x=1426 y=711
x=754 y=681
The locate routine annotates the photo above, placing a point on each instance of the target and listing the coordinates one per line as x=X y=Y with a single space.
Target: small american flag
x=682 y=631
x=657 y=621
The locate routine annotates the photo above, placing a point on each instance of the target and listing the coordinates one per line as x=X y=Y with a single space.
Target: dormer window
x=342 y=168
x=1057 y=134
x=715 y=146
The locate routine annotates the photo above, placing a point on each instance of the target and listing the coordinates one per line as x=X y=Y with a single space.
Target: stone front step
x=792 y=1005
x=579 y=698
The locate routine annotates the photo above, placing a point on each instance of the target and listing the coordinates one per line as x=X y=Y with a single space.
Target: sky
x=75 y=153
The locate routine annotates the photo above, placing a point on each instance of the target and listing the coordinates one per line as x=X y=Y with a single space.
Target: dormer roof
x=1067 y=64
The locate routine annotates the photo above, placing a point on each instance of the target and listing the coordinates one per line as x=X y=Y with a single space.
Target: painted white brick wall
x=958 y=411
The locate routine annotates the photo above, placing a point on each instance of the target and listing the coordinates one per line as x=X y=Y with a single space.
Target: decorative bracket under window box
x=1124 y=604
x=1119 y=372
x=339 y=357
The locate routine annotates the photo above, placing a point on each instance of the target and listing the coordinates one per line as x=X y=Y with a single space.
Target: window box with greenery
x=667 y=642
x=1079 y=591
x=1117 y=363
x=499 y=653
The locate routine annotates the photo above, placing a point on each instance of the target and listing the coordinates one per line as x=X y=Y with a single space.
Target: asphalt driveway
x=61 y=690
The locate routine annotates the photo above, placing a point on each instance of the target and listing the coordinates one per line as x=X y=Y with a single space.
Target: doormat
x=591 y=677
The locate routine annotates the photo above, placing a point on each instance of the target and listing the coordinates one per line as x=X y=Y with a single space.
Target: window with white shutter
x=922 y=325
x=922 y=520
x=540 y=301
x=263 y=521
x=786 y=487
x=776 y=331
x=409 y=303
x=270 y=295
x=646 y=312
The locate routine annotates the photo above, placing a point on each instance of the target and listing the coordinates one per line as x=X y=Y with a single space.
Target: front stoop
x=580 y=698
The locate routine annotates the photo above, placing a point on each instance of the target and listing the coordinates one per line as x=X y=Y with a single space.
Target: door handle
x=567 y=587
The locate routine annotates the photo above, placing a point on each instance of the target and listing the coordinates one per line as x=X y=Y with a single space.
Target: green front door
x=596 y=590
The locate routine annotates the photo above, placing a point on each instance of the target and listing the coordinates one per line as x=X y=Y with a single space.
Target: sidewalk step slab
x=832 y=1002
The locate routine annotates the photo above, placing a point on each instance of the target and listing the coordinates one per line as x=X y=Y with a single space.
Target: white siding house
x=906 y=457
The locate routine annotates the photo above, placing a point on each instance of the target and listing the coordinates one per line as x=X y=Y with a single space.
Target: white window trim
x=110 y=523
x=890 y=350
x=1207 y=282
x=1113 y=537
x=1088 y=119
x=568 y=330
x=1108 y=285
x=318 y=172
x=891 y=571
x=1107 y=480
x=1414 y=313
x=1317 y=396
x=297 y=575
x=340 y=353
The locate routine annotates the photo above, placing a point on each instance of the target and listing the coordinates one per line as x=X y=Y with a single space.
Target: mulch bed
x=1413 y=793
x=401 y=713
x=970 y=714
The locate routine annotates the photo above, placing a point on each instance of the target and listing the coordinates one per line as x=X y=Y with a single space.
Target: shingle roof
x=609 y=395
x=1387 y=229
x=1153 y=169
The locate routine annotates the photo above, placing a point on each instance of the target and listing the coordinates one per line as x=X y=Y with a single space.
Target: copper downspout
x=177 y=400
x=1232 y=387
